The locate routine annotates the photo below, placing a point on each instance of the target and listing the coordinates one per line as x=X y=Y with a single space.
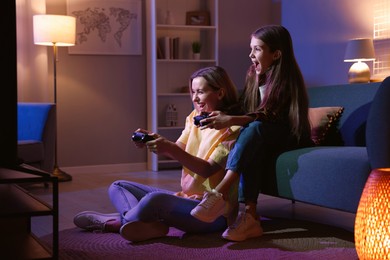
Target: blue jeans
x=254 y=156
x=138 y=202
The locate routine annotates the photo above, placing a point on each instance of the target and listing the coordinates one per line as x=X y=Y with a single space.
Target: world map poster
x=107 y=27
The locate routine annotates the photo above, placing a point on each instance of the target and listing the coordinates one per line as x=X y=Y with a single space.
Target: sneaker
x=139 y=231
x=245 y=227
x=94 y=221
x=210 y=208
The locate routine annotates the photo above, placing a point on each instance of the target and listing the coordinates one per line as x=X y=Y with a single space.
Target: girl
x=276 y=120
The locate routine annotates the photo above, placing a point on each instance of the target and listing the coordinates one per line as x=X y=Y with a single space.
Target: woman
x=146 y=212
x=276 y=120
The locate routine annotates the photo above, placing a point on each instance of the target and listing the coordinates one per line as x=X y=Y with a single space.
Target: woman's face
x=204 y=97
x=261 y=55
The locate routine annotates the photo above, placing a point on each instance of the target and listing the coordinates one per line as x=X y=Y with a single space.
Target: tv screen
x=8 y=96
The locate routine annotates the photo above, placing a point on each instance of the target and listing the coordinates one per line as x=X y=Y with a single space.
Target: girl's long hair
x=285 y=90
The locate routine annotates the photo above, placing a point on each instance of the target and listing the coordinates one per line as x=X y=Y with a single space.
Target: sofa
x=333 y=174
x=36 y=134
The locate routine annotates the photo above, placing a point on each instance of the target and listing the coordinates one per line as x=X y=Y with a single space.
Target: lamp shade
x=54 y=29
x=360 y=49
x=372 y=223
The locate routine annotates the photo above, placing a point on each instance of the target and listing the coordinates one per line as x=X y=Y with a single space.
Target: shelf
x=168 y=77
x=184 y=27
x=170 y=128
x=173 y=95
x=185 y=61
x=27 y=205
x=18 y=206
x=33 y=249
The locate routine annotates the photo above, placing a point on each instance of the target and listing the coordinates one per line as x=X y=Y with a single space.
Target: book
x=164 y=46
x=168 y=47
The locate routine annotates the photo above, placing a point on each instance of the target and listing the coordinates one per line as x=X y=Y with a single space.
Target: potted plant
x=196 y=47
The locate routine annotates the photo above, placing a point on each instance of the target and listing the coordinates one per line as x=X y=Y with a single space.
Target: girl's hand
x=216 y=120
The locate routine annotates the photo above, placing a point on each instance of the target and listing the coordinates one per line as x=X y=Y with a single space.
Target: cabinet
x=18 y=207
x=167 y=75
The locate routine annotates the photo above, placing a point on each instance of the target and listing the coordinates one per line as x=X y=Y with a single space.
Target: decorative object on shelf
x=56 y=31
x=171 y=115
x=107 y=27
x=372 y=224
x=169 y=18
x=196 y=48
x=198 y=18
x=358 y=51
x=184 y=89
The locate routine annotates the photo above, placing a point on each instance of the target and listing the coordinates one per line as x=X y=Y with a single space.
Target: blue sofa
x=334 y=176
x=36 y=134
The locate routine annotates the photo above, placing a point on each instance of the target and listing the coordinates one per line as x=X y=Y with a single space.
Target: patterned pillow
x=324 y=125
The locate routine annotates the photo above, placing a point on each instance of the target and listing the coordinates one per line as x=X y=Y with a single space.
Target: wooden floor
x=88 y=191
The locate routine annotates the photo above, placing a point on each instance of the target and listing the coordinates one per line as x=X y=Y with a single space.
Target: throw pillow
x=324 y=124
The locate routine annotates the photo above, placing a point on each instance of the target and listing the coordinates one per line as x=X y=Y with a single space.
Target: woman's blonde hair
x=217 y=78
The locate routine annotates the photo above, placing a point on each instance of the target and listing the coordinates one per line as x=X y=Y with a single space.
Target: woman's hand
x=141 y=144
x=161 y=146
x=216 y=120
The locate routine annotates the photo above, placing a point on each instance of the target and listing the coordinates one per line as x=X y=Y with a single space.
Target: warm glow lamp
x=372 y=223
x=358 y=51
x=55 y=30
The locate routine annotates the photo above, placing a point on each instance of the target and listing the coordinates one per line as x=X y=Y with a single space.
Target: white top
x=262 y=89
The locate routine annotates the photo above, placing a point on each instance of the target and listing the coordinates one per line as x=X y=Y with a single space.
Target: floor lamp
x=56 y=31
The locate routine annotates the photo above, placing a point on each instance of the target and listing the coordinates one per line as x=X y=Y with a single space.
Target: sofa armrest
x=378 y=128
x=36 y=125
x=48 y=139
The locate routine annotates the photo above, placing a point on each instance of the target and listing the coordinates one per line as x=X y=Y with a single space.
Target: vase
x=196 y=56
x=372 y=223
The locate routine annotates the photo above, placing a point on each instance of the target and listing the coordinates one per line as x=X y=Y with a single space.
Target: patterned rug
x=282 y=239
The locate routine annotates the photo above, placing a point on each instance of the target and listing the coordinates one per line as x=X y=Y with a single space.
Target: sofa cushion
x=324 y=122
x=356 y=100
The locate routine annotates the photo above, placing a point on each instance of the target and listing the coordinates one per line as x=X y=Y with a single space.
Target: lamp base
x=372 y=217
x=61 y=175
x=359 y=73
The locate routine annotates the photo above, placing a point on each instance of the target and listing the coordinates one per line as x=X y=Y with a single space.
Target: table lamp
x=55 y=30
x=358 y=51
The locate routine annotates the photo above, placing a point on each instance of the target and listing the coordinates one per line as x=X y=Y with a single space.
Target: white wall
x=235 y=30
x=320 y=30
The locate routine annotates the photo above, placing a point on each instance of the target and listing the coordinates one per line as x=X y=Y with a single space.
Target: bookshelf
x=168 y=23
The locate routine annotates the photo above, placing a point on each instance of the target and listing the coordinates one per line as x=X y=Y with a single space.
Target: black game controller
x=141 y=137
x=202 y=116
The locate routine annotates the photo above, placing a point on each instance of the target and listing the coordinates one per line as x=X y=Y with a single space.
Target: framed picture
x=107 y=27
x=198 y=18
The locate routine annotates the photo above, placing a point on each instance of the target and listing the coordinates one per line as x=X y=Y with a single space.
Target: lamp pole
x=55 y=30
x=61 y=175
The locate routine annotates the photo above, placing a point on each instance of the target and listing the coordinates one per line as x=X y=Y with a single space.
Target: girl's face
x=204 y=97
x=261 y=55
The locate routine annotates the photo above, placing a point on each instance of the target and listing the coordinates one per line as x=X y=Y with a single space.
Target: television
x=8 y=96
